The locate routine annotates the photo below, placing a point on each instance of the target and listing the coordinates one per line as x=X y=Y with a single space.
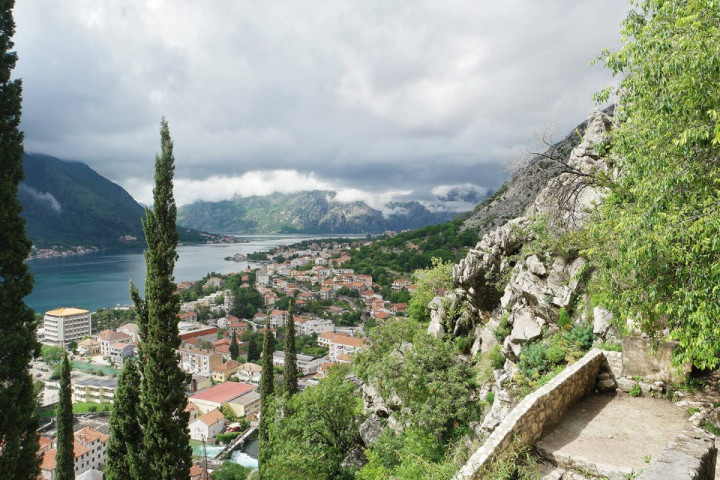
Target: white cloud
x=464 y=192
x=43 y=197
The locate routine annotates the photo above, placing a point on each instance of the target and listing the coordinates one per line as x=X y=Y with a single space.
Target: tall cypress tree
x=267 y=390
x=65 y=458
x=126 y=439
x=234 y=347
x=18 y=424
x=166 y=441
x=290 y=373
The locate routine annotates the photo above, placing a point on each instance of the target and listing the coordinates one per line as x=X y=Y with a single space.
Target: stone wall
x=535 y=415
x=691 y=456
x=645 y=358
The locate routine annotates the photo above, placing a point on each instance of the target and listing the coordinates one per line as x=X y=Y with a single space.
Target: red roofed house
x=208 y=425
x=221 y=373
x=89 y=450
x=190 y=316
x=109 y=337
x=343 y=344
x=243 y=399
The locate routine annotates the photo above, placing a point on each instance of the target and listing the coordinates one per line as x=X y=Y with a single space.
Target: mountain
x=69 y=204
x=314 y=211
x=520 y=191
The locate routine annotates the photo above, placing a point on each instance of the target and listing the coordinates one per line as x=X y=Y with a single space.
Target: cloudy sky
x=377 y=99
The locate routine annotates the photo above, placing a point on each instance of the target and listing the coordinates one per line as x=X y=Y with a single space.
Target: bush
x=227 y=437
x=464 y=344
x=490 y=398
x=564 y=318
x=635 y=391
x=504 y=329
x=581 y=336
x=496 y=357
x=92 y=408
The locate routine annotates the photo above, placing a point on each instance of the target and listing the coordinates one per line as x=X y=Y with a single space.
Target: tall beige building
x=65 y=325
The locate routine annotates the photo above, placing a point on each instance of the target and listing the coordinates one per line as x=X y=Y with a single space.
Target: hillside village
x=333 y=306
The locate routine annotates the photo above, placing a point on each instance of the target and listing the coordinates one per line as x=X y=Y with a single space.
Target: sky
x=378 y=100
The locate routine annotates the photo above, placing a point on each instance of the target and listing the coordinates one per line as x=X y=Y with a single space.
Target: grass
x=635 y=391
x=85 y=366
x=80 y=407
x=709 y=427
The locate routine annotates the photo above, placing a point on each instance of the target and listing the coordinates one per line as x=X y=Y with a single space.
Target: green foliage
x=52 y=355
x=635 y=391
x=234 y=347
x=581 y=336
x=496 y=357
x=564 y=318
x=504 y=329
x=430 y=282
x=65 y=458
x=518 y=463
x=290 y=371
x=429 y=379
x=111 y=319
x=414 y=454
x=610 y=346
x=230 y=471
x=710 y=427
x=389 y=258
x=166 y=442
x=254 y=340
x=267 y=391
x=246 y=302
x=124 y=446
x=490 y=398
x=464 y=343
x=323 y=427
x=655 y=237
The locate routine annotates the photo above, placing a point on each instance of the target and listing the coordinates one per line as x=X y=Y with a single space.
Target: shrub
x=490 y=398
x=464 y=343
x=496 y=357
x=504 y=329
x=635 y=391
x=581 y=336
x=92 y=408
x=564 y=318
x=227 y=437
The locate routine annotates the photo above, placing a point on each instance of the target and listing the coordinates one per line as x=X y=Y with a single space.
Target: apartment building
x=65 y=325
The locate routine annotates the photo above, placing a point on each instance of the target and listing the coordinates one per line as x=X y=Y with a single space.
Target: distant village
x=332 y=307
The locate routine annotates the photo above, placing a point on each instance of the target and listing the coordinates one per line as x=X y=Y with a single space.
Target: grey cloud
x=46 y=198
x=373 y=95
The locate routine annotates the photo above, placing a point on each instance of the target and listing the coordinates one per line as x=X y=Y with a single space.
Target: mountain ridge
x=312 y=211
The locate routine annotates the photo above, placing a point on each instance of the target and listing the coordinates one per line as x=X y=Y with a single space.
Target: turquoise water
x=100 y=280
x=247 y=457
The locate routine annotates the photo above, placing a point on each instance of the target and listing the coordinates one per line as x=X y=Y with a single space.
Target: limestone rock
x=536 y=266
x=355 y=459
x=436 y=328
x=500 y=408
x=373 y=401
x=525 y=328
x=601 y=321
x=370 y=430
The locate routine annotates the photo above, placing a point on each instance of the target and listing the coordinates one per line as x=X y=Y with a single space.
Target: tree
x=230 y=471
x=430 y=283
x=166 y=447
x=65 y=457
x=267 y=390
x=234 y=347
x=254 y=340
x=52 y=355
x=290 y=373
x=126 y=438
x=314 y=440
x=655 y=239
x=18 y=424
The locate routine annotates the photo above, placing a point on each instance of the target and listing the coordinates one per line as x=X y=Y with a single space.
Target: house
x=278 y=318
x=132 y=330
x=88 y=347
x=260 y=318
x=400 y=284
x=198 y=473
x=312 y=325
x=381 y=314
x=189 y=330
x=110 y=337
x=366 y=280
x=327 y=293
x=237 y=327
x=270 y=299
x=190 y=316
x=262 y=277
x=89 y=449
x=94 y=389
x=305 y=363
x=340 y=344
x=119 y=351
x=198 y=360
x=208 y=425
x=398 y=308
x=223 y=372
x=377 y=304
x=243 y=399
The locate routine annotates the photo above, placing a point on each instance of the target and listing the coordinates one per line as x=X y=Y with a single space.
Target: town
x=221 y=323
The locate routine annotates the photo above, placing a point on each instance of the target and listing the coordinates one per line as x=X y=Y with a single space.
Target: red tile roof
x=224 y=392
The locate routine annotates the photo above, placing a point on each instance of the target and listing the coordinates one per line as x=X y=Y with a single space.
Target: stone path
x=613 y=435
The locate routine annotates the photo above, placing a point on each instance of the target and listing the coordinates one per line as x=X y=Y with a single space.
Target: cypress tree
x=65 y=457
x=234 y=347
x=267 y=389
x=126 y=439
x=18 y=424
x=290 y=374
x=166 y=441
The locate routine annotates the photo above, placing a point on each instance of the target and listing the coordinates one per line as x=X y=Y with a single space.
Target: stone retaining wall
x=538 y=412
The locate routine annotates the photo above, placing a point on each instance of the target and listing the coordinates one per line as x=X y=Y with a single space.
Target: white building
x=305 y=363
x=93 y=389
x=65 y=325
x=119 y=351
x=208 y=425
x=89 y=449
x=110 y=337
x=305 y=326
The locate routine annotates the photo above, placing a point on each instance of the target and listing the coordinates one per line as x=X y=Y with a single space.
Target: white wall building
x=65 y=325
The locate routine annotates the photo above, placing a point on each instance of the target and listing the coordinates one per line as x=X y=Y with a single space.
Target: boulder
x=601 y=321
x=355 y=459
x=525 y=328
x=370 y=430
x=373 y=401
x=500 y=408
x=436 y=328
x=536 y=266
